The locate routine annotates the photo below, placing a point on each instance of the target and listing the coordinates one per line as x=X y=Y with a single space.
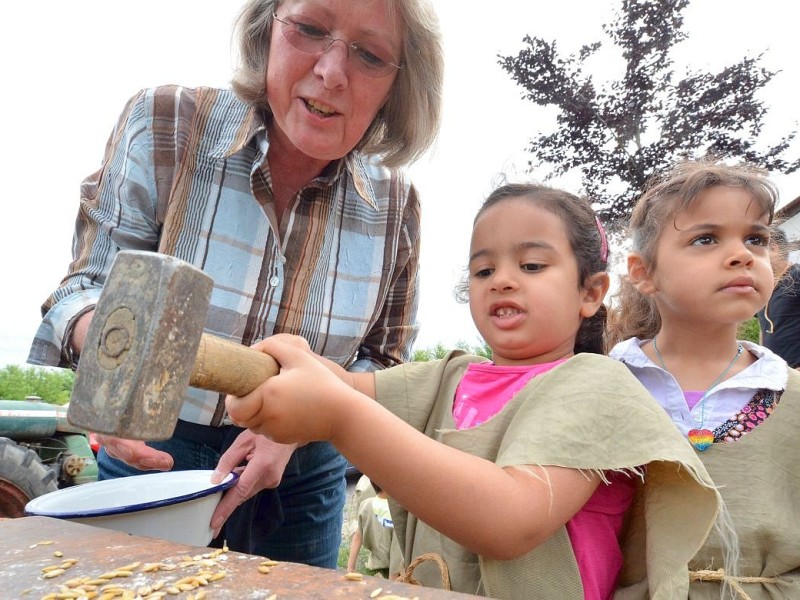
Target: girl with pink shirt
x=517 y=472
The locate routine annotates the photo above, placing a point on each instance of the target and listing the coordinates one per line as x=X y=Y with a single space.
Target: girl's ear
x=594 y=293
x=639 y=275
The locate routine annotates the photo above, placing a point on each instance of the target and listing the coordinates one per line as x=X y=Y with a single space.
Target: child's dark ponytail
x=592 y=333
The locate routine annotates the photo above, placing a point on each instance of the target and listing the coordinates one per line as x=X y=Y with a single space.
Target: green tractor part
x=40 y=452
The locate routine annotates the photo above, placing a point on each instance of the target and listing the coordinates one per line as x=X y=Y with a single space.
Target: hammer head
x=140 y=348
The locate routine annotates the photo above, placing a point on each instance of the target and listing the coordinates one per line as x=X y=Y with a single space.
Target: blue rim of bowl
x=226 y=483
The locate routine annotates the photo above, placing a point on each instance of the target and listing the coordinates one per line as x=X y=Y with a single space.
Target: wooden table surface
x=30 y=544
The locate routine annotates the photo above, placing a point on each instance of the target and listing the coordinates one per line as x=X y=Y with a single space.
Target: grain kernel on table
x=112 y=589
x=122 y=573
x=53 y=573
x=269 y=563
x=49 y=568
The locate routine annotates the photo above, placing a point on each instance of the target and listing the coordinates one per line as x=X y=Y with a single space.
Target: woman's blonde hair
x=665 y=197
x=408 y=123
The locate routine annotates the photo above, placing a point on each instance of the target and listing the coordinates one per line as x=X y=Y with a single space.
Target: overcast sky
x=69 y=67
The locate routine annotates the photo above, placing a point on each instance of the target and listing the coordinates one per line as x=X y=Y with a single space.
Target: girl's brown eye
x=532 y=267
x=703 y=240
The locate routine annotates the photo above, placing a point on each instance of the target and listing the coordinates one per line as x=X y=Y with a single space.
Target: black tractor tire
x=23 y=477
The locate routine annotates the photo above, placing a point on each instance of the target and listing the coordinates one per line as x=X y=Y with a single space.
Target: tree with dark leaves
x=618 y=136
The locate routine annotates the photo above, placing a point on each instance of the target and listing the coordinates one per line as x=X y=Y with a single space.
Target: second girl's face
x=524 y=293
x=321 y=104
x=713 y=266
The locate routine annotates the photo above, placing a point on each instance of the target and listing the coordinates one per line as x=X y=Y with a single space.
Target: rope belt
x=720 y=576
x=703 y=575
x=407 y=577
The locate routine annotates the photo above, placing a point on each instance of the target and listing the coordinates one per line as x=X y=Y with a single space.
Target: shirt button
x=274 y=281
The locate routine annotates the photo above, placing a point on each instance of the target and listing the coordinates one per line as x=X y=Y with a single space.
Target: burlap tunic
x=588 y=413
x=759 y=478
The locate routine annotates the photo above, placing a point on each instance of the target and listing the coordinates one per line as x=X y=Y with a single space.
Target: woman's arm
x=499 y=513
x=389 y=341
x=117 y=210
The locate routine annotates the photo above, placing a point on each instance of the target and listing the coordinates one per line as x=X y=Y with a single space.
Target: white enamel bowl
x=171 y=505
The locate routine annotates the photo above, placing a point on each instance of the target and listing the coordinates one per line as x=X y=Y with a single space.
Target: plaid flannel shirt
x=185 y=174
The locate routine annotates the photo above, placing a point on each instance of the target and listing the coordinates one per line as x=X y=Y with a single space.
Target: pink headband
x=603 y=240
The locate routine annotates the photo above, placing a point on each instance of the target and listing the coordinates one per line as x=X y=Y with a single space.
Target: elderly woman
x=287 y=191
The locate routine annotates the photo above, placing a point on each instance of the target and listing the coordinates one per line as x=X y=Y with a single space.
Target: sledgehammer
x=146 y=345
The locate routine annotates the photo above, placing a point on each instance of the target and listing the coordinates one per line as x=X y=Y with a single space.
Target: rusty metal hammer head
x=141 y=346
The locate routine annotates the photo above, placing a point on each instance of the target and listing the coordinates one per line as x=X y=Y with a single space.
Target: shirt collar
x=253 y=130
x=769 y=371
x=630 y=352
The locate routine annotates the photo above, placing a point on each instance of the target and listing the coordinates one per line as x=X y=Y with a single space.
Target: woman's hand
x=265 y=463
x=136 y=454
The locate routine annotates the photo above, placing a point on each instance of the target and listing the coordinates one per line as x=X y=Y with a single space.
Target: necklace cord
x=739 y=351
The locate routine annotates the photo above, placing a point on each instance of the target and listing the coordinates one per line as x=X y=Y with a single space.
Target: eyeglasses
x=312 y=38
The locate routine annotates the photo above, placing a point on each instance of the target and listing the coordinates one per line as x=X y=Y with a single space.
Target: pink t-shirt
x=594 y=530
x=692 y=398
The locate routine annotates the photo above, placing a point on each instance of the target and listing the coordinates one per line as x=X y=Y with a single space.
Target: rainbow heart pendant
x=700 y=438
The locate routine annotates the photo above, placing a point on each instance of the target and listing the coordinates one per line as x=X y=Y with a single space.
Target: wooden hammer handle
x=230 y=368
